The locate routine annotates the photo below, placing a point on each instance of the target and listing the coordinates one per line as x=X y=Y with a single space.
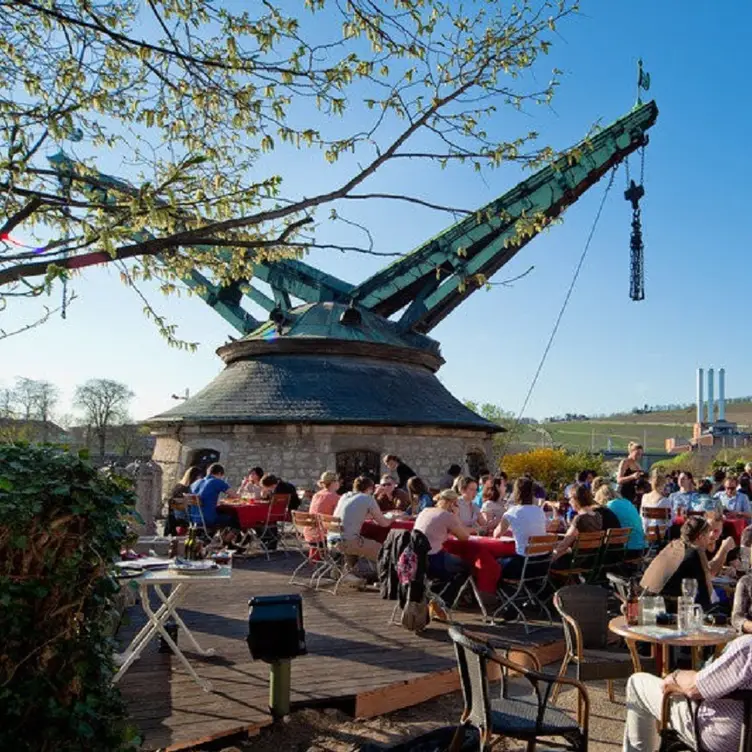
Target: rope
x=566 y=300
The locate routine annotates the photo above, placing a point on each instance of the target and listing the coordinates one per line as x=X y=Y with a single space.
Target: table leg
x=141 y=640
x=159 y=626
x=696 y=657
x=665 y=667
x=172 y=602
x=636 y=662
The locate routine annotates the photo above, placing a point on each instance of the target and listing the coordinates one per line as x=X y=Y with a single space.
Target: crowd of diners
x=491 y=505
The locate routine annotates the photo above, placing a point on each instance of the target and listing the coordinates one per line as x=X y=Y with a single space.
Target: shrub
x=61 y=525
x=554 y=468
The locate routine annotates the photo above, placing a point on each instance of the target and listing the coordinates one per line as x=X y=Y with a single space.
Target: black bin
x=275 y=627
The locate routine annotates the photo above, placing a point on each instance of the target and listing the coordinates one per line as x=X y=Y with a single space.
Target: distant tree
x=7 y=403
x=25 y=397
x=104 y=403
x=128 y=439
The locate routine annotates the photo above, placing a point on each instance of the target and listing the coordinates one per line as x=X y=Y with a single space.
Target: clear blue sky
x=610 y=353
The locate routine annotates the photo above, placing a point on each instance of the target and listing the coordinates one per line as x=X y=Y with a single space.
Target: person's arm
x=717 y=562
x=377 y=515
x=683 y=682
x=740 y=614
x=457 y=529
x=620 y=473
x=501 y=528
x=566 y=543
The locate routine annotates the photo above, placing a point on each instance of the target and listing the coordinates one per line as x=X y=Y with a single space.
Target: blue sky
x=610 y=353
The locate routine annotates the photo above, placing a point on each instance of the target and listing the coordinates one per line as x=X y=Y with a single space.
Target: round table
x=660 y=645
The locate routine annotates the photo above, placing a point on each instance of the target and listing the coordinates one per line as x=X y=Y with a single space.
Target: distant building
x=35 y=431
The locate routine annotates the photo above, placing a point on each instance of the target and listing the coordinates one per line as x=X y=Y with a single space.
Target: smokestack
x=700 y=390
x=711 y=397
x=721 y=394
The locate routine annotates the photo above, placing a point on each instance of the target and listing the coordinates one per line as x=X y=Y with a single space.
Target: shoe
x=436 y=612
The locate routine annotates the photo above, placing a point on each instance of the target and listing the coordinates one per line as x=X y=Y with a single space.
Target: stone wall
x=300 y=453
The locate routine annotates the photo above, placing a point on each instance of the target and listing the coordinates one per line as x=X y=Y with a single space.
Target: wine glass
x=689 y=588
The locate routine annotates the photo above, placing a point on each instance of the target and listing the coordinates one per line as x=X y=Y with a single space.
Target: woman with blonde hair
x=626 y=515
x=324 y=501
x=658 y=498
x=630 y=471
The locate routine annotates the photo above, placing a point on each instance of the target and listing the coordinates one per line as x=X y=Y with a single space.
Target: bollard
x=279 y=688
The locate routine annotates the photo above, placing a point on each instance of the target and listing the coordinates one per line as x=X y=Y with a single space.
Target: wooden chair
x=527 y=718
x=584 y=616
x=532 y=582
x=334 y=558
x=585 y=552
x=612 y=553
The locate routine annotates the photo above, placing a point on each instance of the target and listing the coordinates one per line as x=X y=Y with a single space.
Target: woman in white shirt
x=523 y=519
x=658 y=498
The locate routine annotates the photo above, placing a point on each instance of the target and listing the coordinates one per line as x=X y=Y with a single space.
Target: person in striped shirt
x=719 y=720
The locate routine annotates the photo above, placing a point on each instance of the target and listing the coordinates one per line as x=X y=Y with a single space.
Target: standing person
x=447 y=480
x=523 y=519
x=324 y=501
x=684 y=499
x=208 y=490
x=389 y=497
x=732 y=499
x=353 y=509
x=396 y=465
x=467 y=511
x=719 y=721
x=657 y=499
x=251 y=484
x=420 y=499
x=176 y=504
x=630 y=471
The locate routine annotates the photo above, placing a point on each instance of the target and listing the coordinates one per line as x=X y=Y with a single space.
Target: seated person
x=741 y=614
x=733 y=501
x=626 y=513
x=324 y=502
x=685 y=558
x=704 y=501
x=719 y=721
x=272 y=486
x=586 y=520
x=176 y=513
x=469 y=514
x=353 y=509
x=251 y=484
x=493 y=507
x=523 y=519
x=389 y=497
x=420 y=499
x=657 y=498
x=437 y=523
x=602 y=494
x=208 y=490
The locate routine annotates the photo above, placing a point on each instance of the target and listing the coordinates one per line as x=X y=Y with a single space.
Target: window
x=355 y=462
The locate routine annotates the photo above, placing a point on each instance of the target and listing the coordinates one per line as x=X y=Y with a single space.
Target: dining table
x=250 y=513
x=661 y=638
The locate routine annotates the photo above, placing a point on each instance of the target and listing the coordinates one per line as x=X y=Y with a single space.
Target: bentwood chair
x=584 y=617
x=527 y=718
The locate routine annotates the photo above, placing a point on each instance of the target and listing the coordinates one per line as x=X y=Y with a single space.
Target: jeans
x=644 y=705
x=444 y=566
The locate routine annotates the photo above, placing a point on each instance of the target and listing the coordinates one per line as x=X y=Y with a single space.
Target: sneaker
x=436 y=612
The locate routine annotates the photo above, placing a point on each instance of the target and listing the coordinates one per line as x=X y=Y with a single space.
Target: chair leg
x=610 y=687
x=561 y=674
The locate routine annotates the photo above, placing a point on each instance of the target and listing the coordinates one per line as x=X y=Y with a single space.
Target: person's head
x=216 y=470
x=635 y=451
x=581 y=497
x=731 y=484
x=416 y=487
x=748 y=468
x=522 y=492
x=585 y=476
x=255 y=474
x=454 y=471
x=658 y=480
x=269 y=481
x=715 y=520
x=719 y=476
x=696 y=531
x=391 y=461
x=387 y=484
x=491 y=493
x=603 y=495
x=468 y=487
x=597 y=483
x=501 y=478
x=446 y=500
x=328 y=481
x=705 y=487
x=686 y=481
x=363 y=484
x=486 y=480
x=191 y=475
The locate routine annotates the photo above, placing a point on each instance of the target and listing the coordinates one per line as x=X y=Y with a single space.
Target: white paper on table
x=658 y=633
x=145 y=562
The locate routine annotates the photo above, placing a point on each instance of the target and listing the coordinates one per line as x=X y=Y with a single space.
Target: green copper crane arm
x=438 y=275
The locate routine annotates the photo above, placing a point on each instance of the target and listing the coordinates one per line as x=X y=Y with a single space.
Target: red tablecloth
x=375 y=532
x=249 y=513
x=482 y=554
x=732 y=526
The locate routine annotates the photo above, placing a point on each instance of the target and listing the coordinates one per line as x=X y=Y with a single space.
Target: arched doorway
x=354 y=462
x=476 y=463
x=202 y=458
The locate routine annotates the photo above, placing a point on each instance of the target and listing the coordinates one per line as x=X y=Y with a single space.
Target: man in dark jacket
x=396 y=465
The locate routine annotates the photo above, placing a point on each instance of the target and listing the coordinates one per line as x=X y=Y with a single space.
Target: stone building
x=326 y=388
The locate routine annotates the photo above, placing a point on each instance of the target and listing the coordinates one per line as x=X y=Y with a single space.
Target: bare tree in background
x=104 y=403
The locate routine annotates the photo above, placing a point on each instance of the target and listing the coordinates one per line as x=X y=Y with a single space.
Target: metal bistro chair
x=584 y=616
x=335 y=568
x=672 y=742
x=311 y=550
x=585 y=552
x=528 y=718
x=533 y=579
x=275 y=514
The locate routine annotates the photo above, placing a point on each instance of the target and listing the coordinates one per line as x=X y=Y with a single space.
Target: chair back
x=306 y=526
x=472 y=659
x=330 y=525
x=193 y=502
x=538 y=553
x=656 y=513
x=278 y=508
x=584 y=612
x=615 y=546
x=586 y=551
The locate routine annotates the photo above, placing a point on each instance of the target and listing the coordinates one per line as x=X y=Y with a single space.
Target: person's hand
x=727 y=545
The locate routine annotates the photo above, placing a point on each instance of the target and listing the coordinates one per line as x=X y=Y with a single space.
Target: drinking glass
x=648 y=610
x=689 y=588
x=689 y=618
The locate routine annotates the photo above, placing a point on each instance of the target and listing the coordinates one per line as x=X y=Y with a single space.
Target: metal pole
x=279 y=688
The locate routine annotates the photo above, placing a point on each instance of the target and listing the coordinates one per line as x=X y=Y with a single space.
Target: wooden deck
x=355 y=660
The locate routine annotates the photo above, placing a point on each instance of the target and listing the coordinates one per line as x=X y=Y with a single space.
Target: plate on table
x=184 y=566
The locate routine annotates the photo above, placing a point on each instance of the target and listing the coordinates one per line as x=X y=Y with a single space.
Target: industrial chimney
x=721 y=394
x=711 y=397
x=700 y=393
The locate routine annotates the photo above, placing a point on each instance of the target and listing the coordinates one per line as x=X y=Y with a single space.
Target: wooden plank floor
x=352 y=653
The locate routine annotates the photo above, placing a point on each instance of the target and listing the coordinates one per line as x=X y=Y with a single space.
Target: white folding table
x=156 y=620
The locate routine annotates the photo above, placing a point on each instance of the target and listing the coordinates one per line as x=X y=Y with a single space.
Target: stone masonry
x=299 y=453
